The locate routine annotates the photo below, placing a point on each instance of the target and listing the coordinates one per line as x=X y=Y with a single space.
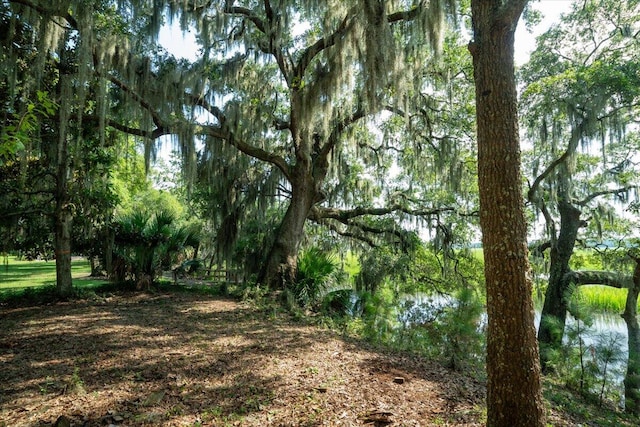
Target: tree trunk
x=108 y=252
x=514 y=396
x=282 y=262
x=62 y=213
x=554 y=310
x=63 y=219
x=630 y=316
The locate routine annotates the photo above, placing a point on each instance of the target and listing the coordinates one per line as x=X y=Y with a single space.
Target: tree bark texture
x=63 y=218
x=306 y=180
x=281 y=267
x=514 y=396
x=630 y=316
x=554 y=310
x=64 y=284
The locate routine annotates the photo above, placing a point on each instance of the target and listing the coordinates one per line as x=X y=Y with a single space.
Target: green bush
x=318 y=272
x=145 y=243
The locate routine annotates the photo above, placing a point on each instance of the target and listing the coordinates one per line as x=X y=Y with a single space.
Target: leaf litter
x=182 y=359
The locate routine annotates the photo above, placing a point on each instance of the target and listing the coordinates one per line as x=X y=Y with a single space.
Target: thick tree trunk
x=514 y=396
x=62 y=213
x=554 y=310
x=630 y=316
x=282 y=262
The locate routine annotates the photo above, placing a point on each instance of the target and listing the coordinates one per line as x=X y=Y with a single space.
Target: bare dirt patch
x=190 y=360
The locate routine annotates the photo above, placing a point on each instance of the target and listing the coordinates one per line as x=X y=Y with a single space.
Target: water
x=607 y=335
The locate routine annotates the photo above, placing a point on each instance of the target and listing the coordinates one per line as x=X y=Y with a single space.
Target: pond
x=604 y=341
x=607 y=333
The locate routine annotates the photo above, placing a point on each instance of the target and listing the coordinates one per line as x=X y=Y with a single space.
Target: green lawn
x=19 y=275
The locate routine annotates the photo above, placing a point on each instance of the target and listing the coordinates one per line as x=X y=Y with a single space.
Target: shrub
x=318 y=272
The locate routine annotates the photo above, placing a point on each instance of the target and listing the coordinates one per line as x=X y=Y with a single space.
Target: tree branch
x=249 y=149
x=404 y=15
x=51 y=12
x=571 y=148
x=345 y=215
x=249 y=14
x=511 y=11
x=338 y=129
x=266 y=29
x=157 y=120
x=592 y=196
x=349 y=234
x=324 y=43
x=607 y=278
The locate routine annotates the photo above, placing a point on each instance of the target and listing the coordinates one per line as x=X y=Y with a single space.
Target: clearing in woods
x=187 y=359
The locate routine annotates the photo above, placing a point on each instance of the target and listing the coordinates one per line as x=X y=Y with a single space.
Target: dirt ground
x=187 y=360
x=192 y=360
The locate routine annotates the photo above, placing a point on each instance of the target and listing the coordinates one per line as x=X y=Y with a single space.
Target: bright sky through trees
x=526 y=40
x=184 y=45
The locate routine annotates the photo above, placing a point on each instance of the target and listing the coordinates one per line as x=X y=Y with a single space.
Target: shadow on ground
x=192 y=360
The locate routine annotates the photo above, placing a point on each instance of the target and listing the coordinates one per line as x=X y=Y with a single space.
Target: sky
x=525 y=41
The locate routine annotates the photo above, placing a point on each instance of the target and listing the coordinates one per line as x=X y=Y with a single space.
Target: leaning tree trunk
x=554 y=310
x=282 y=261
x=514 y=396
x=630 y=316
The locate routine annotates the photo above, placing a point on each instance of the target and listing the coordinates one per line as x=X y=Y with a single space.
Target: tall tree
x=514 y=395
x=630 y=316
x=577 y=98
x=45 y=36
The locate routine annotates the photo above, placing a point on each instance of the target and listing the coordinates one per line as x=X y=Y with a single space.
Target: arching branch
x=249 y=14
x=592 y=196
x=248 y=149
x=344 y=215
x=607 y=278
x=324 y=43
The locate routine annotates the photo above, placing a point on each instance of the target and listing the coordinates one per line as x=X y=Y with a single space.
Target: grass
x=604 y=298
x=584 y=410
x=17 y=276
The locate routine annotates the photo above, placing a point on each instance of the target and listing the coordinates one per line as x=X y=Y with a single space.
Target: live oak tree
x=290 y=100
x=580 y=104
x=314 y=94
x=514 y=396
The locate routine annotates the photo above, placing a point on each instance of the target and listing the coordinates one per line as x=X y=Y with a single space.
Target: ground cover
x=604 y=299
x=18 y=275
x=187 y=359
